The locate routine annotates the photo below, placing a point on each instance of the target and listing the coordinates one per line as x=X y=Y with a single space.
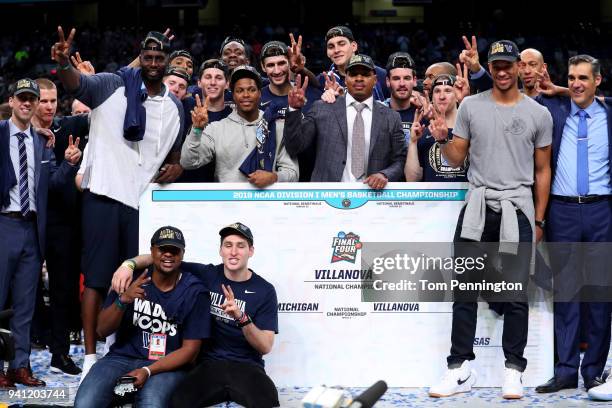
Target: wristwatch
x=541 y=224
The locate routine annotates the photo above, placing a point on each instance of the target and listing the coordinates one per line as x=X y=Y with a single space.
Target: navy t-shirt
x=179 y=314
x=256 y=297
x=407 y=116
x=435 y=167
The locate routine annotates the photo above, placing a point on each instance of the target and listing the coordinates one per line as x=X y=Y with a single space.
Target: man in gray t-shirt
x=507 y=136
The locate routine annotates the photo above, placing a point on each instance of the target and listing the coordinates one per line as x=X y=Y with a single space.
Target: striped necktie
x=24 y=189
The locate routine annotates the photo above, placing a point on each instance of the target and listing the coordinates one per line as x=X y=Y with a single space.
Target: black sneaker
x=63 y=364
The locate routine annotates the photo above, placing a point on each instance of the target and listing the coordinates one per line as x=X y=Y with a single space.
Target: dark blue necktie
x=583 y=154
x=24 y=189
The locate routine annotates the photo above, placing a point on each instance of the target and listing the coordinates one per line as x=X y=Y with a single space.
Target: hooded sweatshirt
x=229 y=141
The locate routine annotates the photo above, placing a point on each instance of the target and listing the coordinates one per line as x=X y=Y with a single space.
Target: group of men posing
x=355 y=123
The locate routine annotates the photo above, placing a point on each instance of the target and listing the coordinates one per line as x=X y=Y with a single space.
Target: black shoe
x=62 y=363
x=556 y=384
x=594 y=382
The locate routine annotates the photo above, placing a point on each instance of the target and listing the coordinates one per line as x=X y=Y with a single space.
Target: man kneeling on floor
x=244 y=322
x=159 y=325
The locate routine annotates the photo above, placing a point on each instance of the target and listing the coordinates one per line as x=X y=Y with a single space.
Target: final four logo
x=345 y=247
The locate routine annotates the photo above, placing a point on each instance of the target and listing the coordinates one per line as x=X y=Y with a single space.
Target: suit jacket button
x=343 y=161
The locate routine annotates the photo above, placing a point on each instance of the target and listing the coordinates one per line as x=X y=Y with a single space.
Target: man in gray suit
x=356 y=138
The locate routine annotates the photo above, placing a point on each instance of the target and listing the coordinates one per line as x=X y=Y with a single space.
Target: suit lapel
x=374 y=131
x=340 y=107
x=38 y=153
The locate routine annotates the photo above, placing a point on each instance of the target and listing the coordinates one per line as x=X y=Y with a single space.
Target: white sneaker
x=513 y=384
x=88 y=362
x=602 y=392
x=454 y=381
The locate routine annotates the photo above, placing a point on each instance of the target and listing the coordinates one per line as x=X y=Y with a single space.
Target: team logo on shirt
x=517 y=127
x=439 y=164
x=150 y=316
x=345 y=247
x=406 y=126
x=216 y=309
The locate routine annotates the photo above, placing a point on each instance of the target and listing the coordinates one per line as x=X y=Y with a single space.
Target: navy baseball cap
x=25 y=85
x=230 y=39
x=180 y=53
x=339 y=31
x=400 y=60
x=273 y=48
x=168 y=236
x=245 y=71
x=503 y=50
x=443 y=79
x=215 y=63
x=239 y=229
x=360 y=60
x=179 y=72
x=155 y=41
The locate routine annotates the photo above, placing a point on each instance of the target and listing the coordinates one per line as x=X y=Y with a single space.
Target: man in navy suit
x=356 y=138
x=580 y=211
x=27 y=171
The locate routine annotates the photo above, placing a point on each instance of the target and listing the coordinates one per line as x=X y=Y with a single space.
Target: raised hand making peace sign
x=60 y=52
x=72 y=153
x=199 y=114
x=297 y=61
x=229 y=306
x=416 y=130
x=297 y=94
x=83 y=67
x=469 y=56
x=135 y=290
x=437 y=126
x=462 y=83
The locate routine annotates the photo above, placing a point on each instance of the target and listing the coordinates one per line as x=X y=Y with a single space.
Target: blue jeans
x=96 y=390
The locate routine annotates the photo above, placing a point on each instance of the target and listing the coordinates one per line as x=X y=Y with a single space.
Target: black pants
x=64 y=268
x=516 y=313
x=215 y=382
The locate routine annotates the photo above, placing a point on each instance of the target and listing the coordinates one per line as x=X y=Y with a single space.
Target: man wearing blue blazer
x=580 y=211
x=27 y=171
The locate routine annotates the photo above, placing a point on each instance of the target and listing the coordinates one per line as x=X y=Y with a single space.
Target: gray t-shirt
x=502 y=139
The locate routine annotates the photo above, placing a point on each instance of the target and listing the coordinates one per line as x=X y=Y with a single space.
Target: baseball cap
x=230 y=39
x=237 y=228
x=400 y=60
x=245 y=71
x=362 y=60
x=215 y=63
x=25 y=85
x=180 y=53
x=503 y=50
x=160 y=42
x=339 y=31
x=179 y=72
x=443 y=79
x=168 y=235
x=273 y=48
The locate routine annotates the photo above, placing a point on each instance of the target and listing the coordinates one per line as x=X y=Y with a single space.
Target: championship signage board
x=309 y=239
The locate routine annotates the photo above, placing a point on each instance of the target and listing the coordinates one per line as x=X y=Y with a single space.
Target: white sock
x=88 y=362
